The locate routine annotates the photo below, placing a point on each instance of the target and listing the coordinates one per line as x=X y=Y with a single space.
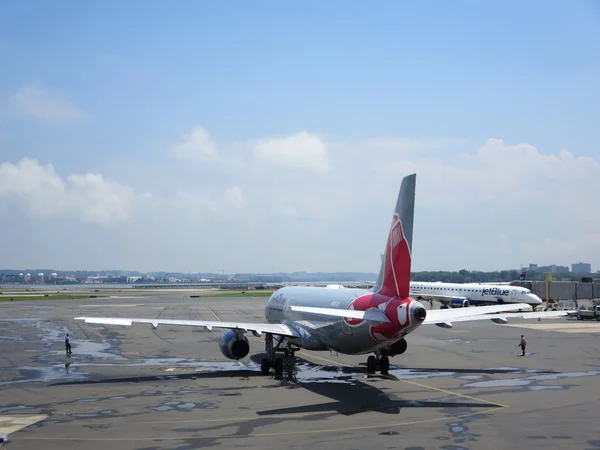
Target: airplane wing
x=371 y=315
x=256 y=328
x=445 y=317
x=502 y=318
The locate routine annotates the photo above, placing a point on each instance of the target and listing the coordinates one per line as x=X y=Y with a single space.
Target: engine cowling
x=459 y=303
x=397 y=348
x=232 y=346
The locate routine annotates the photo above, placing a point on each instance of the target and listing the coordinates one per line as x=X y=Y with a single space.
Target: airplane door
x=513 y=294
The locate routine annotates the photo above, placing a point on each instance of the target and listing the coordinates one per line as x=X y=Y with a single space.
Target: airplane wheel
x=278 y=366
x=371 y=364
x=265 y=366
x=384 y=363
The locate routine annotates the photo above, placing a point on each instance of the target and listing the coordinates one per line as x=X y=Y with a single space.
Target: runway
x=170 y=388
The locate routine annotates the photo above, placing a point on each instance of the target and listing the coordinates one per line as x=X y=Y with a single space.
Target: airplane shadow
x=351 y=396
x=354 y=397
x=339 y=384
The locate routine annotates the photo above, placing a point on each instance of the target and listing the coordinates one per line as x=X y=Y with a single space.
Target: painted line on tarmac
x=214 y=314
x=12 y=424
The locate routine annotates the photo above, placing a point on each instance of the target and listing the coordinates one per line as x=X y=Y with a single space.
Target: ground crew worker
x=523 y=344
x=68 y=344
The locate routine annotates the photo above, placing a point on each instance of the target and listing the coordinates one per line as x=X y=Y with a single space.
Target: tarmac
x=170 y=388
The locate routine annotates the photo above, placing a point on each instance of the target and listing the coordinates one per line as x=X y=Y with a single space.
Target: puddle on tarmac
x=13 y=408
x=531 y=380
x=93 y=350
x=46 y=374
x=174 y=406
x=92 y=415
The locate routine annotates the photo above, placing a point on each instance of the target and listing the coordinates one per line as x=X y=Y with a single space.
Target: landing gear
x=383 y=361
x=265 y=366
x=384 y=364
x=278 y=363
x=371 y=364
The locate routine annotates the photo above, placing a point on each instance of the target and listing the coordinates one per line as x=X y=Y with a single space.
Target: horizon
x=273 y=136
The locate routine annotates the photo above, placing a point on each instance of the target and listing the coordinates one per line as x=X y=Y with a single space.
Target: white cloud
x=496 y=206
x=198 y=207
x=302 y=151
x=42 y=193
x=233 y=197
x=196 y=146
x=514 y=201
x=499 y=173
x=36 y=102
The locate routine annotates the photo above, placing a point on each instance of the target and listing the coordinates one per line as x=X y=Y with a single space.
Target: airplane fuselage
x=476 y=294
x=346 y=335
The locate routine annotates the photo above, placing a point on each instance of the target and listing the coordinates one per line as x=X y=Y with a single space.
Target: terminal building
x=581 y=268
x=564 y=290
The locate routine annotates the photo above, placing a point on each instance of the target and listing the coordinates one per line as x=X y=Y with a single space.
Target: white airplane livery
x=462 y=295
x=349 y=321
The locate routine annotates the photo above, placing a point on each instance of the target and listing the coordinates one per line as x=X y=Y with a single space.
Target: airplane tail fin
x=394 y=274
x=523 y=275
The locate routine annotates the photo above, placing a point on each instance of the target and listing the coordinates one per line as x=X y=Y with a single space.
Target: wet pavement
x=144 y=388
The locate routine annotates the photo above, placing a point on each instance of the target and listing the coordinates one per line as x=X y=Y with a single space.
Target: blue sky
x=110 y=88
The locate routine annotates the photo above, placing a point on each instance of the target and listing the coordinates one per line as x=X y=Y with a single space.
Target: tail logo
x=396 y=274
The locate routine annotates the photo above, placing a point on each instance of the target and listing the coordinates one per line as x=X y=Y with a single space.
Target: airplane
x=348 y=321
x=462 y=295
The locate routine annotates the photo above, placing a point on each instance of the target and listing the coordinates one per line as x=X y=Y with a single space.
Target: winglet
x=394 y=274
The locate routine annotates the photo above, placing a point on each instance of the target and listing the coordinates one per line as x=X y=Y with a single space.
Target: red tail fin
x=394 y=275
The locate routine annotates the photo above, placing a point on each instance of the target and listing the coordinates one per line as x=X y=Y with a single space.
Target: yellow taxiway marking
x=12 y=424
x=214 y=314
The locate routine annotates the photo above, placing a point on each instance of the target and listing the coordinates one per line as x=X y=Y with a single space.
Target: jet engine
x=397 y=348
x=459 y=303
x=234 y=345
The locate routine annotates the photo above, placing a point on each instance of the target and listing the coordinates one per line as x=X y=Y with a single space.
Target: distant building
x=581 y=268
x=552 y=268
